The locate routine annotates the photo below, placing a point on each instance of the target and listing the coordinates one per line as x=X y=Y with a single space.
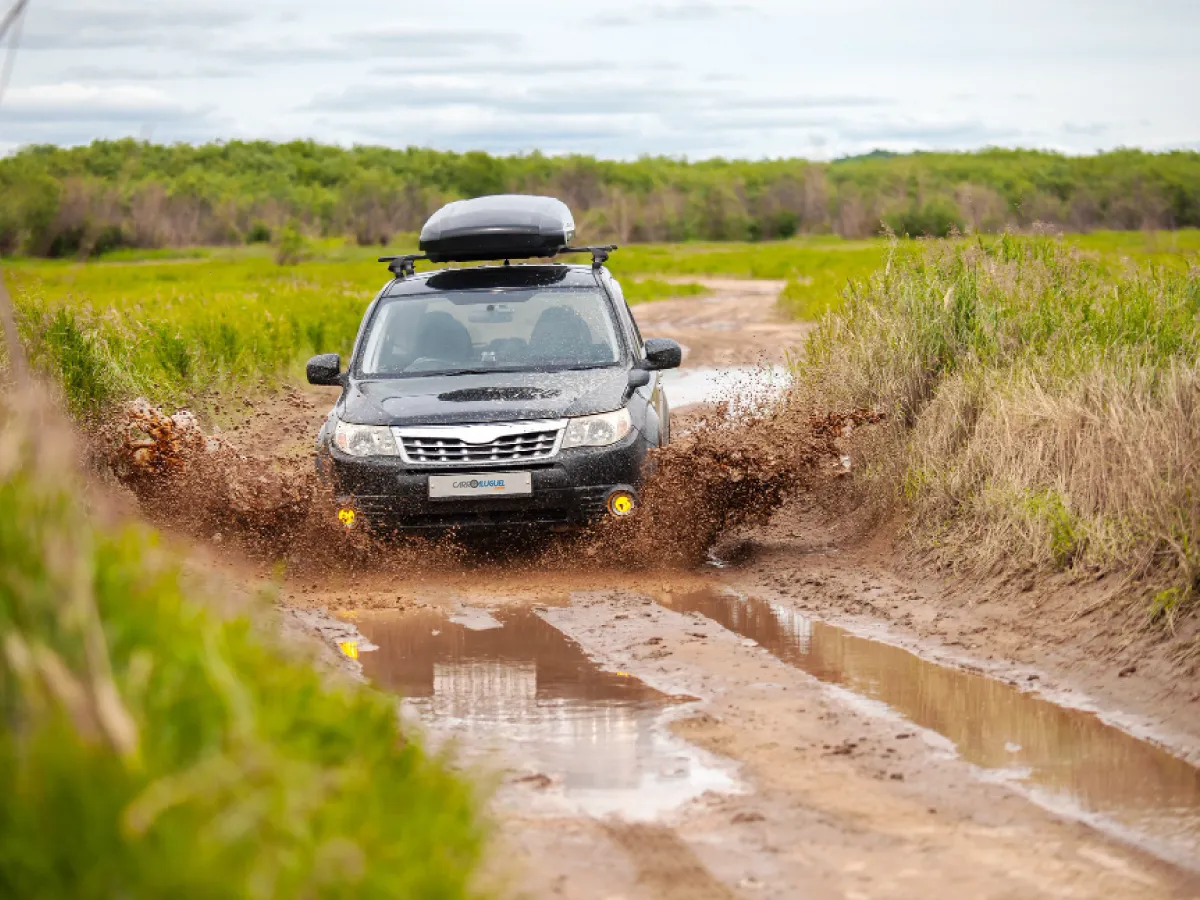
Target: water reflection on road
x=1065 y=757
x=532 y=694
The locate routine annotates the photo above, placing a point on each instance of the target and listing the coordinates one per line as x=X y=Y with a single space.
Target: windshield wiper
x=484 y=371
x=459 y=372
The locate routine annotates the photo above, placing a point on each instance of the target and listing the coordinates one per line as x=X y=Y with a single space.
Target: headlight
x=365 y=440
x=597 y=431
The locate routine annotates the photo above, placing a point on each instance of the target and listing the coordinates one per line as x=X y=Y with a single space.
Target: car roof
x=494 y=278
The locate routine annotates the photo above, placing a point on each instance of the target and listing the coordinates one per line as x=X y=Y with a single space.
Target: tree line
x=78 y=201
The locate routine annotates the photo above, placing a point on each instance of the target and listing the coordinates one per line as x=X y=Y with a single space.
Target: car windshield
x=541 y=329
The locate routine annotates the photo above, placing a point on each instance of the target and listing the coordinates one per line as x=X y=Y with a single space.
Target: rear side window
x=619 y=296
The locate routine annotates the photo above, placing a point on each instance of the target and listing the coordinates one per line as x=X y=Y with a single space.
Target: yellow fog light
x=347 y=517
x=621 y=503
x=349 y=648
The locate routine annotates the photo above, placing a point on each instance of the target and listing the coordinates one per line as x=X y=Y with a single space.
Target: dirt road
x=738 y=324
x=697 y=734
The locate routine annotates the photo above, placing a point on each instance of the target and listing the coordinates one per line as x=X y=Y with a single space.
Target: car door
x=653 y=392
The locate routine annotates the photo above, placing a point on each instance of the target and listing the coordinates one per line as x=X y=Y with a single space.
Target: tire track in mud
x=667 y=866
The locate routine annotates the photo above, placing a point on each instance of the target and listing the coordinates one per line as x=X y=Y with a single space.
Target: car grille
x=479 y=445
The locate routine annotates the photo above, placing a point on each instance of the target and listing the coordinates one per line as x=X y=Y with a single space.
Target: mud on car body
x=495 y=395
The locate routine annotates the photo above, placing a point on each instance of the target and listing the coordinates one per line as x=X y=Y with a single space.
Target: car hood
x=492 y=397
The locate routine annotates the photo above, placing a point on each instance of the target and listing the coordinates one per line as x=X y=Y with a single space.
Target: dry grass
x=1045 y=410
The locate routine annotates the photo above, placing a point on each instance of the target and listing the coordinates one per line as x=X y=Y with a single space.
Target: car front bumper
x=389 y=495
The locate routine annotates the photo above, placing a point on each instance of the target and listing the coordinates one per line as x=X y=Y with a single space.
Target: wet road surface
x=1067 y=758
x=513 y=687
x=780 y=755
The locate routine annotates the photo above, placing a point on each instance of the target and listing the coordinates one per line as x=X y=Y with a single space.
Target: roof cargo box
x=505 y=226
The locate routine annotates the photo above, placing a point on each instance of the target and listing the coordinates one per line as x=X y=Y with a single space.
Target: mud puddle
x=514 y=692
x=742 y=386
x=1065 y=759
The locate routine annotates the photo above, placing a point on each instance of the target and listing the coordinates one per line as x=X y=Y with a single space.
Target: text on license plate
x=493 y=484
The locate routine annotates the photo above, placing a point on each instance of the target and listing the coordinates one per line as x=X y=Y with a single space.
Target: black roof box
x=504 y=226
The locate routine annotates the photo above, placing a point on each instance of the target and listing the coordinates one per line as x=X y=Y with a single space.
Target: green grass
x=152 y=747
x=176 y=330
x=647 y=290
x=1042 y=400
x=175 y=325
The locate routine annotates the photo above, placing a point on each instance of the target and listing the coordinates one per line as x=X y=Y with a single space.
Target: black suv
x=494 y=395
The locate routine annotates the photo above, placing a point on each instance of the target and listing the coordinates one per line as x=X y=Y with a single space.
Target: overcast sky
x=618 y=78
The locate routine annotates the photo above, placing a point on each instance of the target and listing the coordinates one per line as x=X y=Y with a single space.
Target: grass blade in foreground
x=152 y=748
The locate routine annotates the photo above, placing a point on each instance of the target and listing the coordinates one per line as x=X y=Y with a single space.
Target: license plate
x=494 y=484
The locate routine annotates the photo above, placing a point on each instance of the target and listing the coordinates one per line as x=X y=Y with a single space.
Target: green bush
x=259 y=233
x=222 y=191
x=292 y=247
x=934 y=218
x=150 y=747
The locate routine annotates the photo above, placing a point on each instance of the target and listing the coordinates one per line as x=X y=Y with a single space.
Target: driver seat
x=560 y=333
x=441 y=336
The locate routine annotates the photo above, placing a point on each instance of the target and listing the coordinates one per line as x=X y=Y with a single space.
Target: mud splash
x=1066 y=759
x=187 y=481
x=512 y=689
x=732 y=469
x=741 y=386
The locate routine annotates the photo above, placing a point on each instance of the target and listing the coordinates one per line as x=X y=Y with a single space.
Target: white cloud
x=75 y=101
x=76 y=113
x=65 y=25
x=749 y=78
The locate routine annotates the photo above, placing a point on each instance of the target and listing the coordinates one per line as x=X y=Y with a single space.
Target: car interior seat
x=560 y=333
x=441 y=336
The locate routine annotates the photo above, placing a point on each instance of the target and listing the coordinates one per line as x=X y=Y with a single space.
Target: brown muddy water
x=1068 y=760
x=516 y=693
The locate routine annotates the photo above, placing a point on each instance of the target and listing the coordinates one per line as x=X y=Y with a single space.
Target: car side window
x=619 y=296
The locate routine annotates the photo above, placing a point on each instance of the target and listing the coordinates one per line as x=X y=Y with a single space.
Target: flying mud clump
x=186 y=480
x=267 y=508
x=732 y=468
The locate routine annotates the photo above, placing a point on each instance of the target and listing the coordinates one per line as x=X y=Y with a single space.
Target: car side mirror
x=325 y=369
x=662 y=353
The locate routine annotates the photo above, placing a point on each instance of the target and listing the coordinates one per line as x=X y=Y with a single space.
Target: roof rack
x=405 y=266
x=600 y=254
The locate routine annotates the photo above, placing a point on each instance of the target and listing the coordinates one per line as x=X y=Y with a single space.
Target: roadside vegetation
x=154 y=744
x=179 y=331
x=193 y=324
x=1043 y=407
x=82 y=201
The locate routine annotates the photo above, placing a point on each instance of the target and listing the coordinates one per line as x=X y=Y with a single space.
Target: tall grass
x=175 y=330
x=1045 y=407
x=151 y=747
